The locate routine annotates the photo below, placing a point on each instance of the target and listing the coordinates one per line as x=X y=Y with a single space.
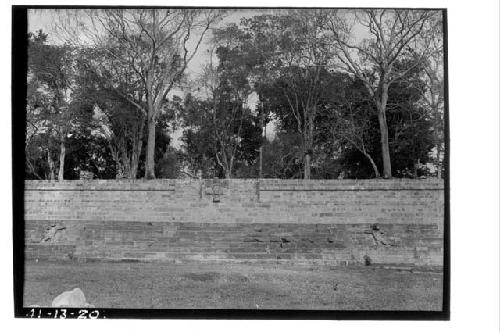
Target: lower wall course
x=239 y=242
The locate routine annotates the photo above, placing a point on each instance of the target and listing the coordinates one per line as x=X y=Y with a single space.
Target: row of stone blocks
x=240 y=201
x=157 y=241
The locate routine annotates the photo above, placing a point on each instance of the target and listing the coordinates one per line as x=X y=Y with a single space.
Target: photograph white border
x=473 y=67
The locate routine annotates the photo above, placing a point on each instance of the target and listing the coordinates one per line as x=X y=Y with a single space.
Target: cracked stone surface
x=52 y=233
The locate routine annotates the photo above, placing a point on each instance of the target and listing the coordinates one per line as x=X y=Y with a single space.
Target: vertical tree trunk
x=416 y=164
x=136 y=150
x=439 y=164
x=134 y=164
x=309 y=133
x=307 y=165
x=261 y=148
x=260 y=161
x=229 y=174
x=384 y=132
x=126 y=168
x=226 y=165
x=51 y=163
x=437 y=125
x=62 y=156
x=384 y=141
x=150 y=150
x=116 y=158
x=124 y=160
x=227 y=171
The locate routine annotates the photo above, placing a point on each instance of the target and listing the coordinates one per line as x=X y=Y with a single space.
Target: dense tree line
x=342 y=103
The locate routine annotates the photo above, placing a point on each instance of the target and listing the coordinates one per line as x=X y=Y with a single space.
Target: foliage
x=54 y=106
x=169 y=165
x=294 y=66
x=213 y=137
x=339 y=106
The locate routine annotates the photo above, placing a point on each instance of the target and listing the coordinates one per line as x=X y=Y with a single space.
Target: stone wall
x=299 y=221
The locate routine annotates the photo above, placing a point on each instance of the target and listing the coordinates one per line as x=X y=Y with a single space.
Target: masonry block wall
x=336 y=222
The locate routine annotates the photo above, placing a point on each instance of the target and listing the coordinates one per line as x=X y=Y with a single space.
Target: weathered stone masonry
x=300 y=221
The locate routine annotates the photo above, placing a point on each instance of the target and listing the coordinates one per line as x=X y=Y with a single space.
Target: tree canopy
x=296 y=93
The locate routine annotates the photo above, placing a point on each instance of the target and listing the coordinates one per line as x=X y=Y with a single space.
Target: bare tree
x=150 y=46
x=391 y=36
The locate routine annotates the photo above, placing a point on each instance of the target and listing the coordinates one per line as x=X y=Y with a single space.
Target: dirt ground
x=235 y=286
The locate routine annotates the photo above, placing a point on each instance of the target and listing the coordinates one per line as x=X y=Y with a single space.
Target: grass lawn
x=235 y=286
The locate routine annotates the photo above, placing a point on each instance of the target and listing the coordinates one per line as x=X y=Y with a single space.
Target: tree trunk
x=126 y=168
x=260 y=162
x=134 y=164
x=136 y=150
x=226 y=165
x=229 y=173
x=150 y=150
x=438 y=162
x=115 y=156
x=62 y=156
x=307 y=165
x=51 y=163
x=261 y=148
x=384 y=132
x=124 y=159
x=309 y=132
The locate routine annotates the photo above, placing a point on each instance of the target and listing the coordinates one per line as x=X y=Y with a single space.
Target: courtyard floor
x=236 y=286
